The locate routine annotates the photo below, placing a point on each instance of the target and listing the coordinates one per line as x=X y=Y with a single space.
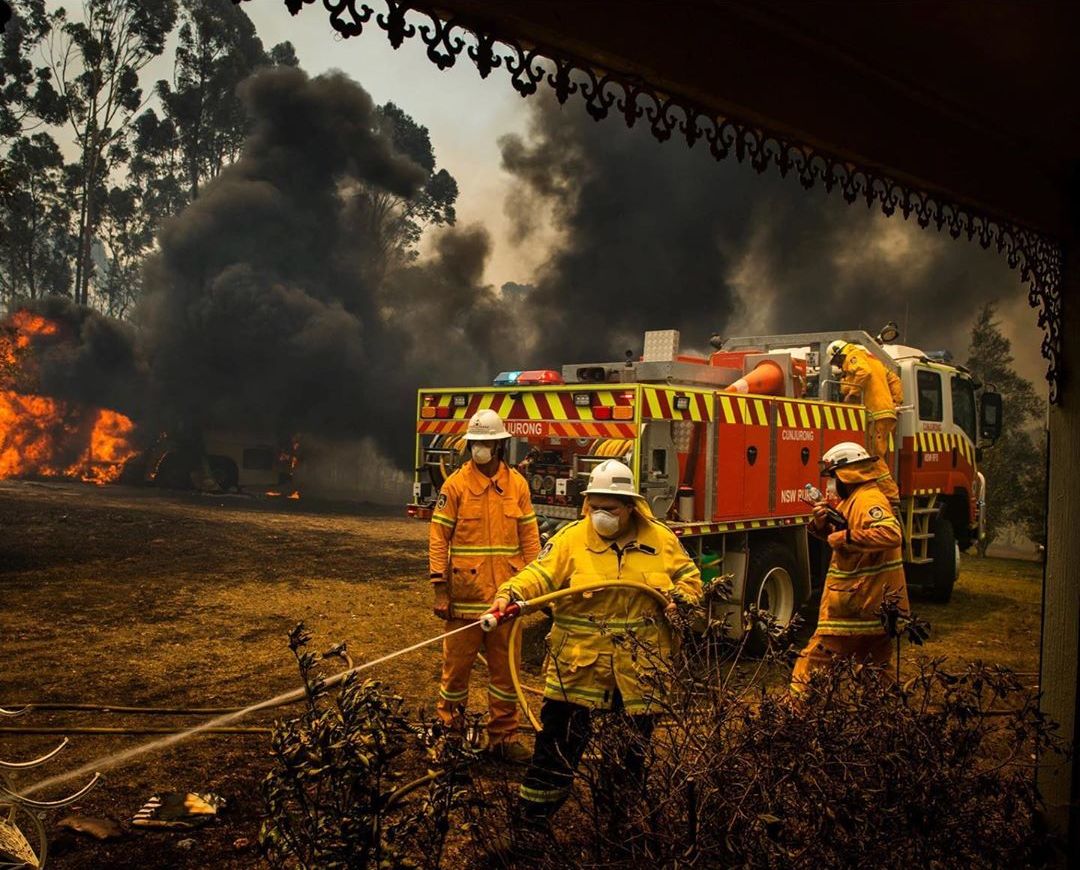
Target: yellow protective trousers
x=823 y=650
x=459 y=654
x=879 y=433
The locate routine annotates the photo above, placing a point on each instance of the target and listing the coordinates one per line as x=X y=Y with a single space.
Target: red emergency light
x=539 y=376
x=601 y=412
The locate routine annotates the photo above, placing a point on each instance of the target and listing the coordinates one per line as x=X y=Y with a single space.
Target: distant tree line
x=1015 y=467
x=92 y=160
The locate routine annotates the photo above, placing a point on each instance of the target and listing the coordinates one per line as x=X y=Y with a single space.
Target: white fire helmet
x=836 y=348
x=486 y=425
x=842 y=454
x=611 y=477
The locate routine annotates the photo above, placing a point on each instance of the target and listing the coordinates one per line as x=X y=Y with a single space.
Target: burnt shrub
x=335 y=795
x=937 y=770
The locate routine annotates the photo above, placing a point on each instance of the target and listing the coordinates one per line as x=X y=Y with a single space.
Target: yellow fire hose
x=533 y=603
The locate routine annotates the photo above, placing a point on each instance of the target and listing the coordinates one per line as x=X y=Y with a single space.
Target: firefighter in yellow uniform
x=866 y=566
x=868 y=380
x=483 y=531
x=589 y=669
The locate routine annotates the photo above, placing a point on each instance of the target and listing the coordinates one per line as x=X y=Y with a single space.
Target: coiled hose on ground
x=534 y=603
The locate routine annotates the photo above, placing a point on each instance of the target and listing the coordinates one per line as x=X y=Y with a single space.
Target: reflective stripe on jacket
x=586 y=665
x=483 y=531
x=868 y=567
x=868 y=380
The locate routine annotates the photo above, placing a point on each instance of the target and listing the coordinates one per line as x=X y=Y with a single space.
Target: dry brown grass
x=129 y=596
x=994 y=615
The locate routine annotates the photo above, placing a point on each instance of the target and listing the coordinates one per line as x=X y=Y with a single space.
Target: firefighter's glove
x=679 y=612
x=441 y=605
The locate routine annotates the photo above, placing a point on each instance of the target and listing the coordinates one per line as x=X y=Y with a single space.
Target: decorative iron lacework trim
x=1037 y=257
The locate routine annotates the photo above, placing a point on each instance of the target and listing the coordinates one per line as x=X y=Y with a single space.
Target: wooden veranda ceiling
x=975 y=101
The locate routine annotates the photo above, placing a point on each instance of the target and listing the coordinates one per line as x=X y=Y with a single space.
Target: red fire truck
x=723 y=446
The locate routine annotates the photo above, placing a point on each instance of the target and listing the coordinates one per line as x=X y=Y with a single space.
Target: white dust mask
x=481 y=454
x=605 y=522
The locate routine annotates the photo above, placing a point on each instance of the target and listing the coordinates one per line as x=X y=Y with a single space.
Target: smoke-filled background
x=270 y=309
x=271 y=305
x=656 y=235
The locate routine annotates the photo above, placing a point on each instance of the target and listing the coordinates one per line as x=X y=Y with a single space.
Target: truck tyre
x=946 y=565
x=772 y=584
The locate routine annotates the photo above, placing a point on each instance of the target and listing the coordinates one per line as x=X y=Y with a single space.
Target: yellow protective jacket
x=483 y=531
x=868 y=380
x=869 y=564
x=586 y=665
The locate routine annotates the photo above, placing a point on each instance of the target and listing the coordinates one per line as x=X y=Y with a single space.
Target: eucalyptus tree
x=1015 y=467
x=95 y=62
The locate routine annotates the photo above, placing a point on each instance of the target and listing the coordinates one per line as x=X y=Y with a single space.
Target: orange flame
x=45 y=437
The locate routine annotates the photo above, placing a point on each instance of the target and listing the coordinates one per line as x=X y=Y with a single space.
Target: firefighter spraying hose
x=487 y=622
x=516 y=609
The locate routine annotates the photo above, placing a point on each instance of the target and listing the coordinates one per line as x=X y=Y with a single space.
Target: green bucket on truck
x=709 y=567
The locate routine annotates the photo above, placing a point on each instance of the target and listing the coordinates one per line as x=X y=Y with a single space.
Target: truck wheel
x=946 y=565
x=772 y=584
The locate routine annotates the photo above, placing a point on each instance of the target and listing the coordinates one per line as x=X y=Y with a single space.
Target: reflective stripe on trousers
x=459 y=655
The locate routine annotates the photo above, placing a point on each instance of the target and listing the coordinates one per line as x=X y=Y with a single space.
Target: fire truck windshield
x=963 y=405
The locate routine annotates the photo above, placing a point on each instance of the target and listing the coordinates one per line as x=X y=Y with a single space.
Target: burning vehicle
x=43 y=436
x=48 y=436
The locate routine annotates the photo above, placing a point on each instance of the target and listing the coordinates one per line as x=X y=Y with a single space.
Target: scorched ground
x=138 y=597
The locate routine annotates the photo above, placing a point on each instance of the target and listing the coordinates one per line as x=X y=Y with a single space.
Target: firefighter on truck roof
x=866 y=565
x=868 y=380
x=483 y=531
x=588 y=670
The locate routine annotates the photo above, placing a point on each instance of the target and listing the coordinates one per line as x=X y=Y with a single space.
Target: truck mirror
x=990 y=416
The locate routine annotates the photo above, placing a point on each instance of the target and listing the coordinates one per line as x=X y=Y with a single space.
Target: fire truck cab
x=723 y=446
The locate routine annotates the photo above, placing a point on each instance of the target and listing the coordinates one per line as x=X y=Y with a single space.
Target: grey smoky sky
x=656 y=235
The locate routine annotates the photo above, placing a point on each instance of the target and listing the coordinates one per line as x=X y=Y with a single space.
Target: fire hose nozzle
x=491 y=619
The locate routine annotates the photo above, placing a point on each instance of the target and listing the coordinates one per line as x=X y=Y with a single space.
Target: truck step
x=926 y=510
x=921 y=536
x=919 y=560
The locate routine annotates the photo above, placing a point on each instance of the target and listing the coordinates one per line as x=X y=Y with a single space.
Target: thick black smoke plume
x=267 y=311
x=657 y=236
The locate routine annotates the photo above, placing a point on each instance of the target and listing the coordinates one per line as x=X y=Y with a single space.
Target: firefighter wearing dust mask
x=866 y=567
x=483 y=531
x=868 y=380
x=591 y=666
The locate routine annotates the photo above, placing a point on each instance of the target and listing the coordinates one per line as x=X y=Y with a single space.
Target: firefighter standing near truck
x=866 y=567
x=589 y=669
x=868 y=380
x=483 y=531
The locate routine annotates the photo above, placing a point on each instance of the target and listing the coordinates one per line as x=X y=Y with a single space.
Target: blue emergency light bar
x=506 y=379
